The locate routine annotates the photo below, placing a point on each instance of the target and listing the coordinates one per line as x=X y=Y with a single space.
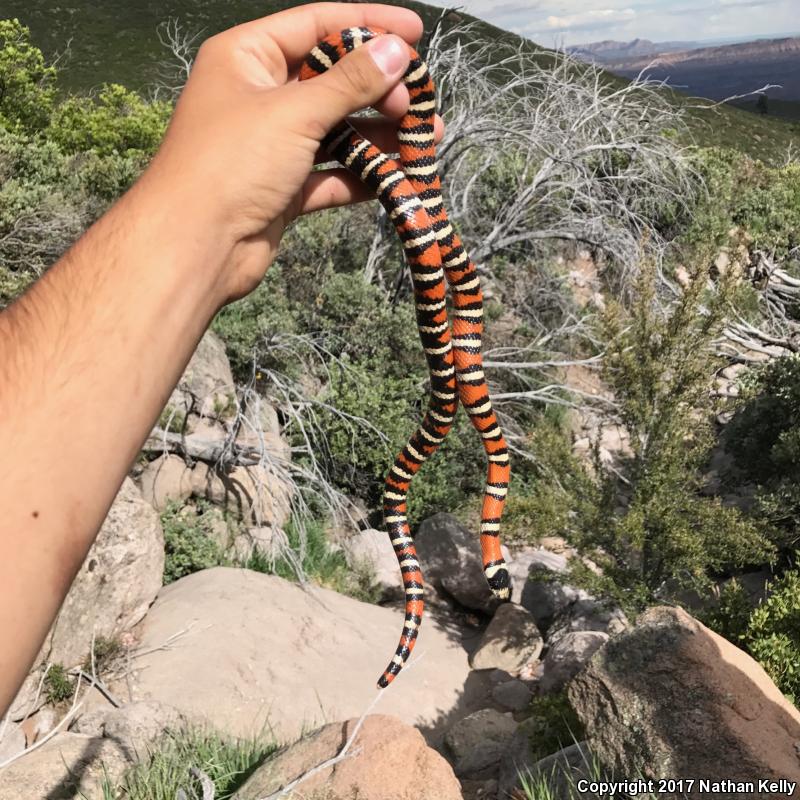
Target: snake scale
x=410 y=192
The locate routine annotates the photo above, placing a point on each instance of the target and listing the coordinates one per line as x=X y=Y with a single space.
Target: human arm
x=89 y=355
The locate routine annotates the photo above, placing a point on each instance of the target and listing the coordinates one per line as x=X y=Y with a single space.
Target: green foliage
x=764 y=438
x=106 y=651
x=189 y=544
x=556 y=495
x=773 y=634
x=58 y=684
x=661 y=534
x=319 y=563
x=27 y=89
x=115 y=121
x=762 y=202
x=165 y=769
x=553 y=724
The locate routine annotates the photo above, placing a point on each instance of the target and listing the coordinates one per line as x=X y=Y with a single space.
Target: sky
x=569 y=22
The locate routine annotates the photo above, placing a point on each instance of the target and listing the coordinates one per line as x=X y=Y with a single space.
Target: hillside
x=117 y=41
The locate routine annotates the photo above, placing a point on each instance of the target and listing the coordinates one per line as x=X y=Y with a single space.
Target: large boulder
x=450 y=556
x=511 y=641
x=537 y=559
x=672 y=698
x=388 y=760
x=115 y=586
x=258 y=650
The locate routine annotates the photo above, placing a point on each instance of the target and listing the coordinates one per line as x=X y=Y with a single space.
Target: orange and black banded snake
x=410 y=192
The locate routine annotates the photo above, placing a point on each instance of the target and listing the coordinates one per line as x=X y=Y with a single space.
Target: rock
x=511 y=641
x=513 y=695
x=115 y=586
x=67 y=764
x=536 y=558
x=266 y=539
x=390 y=761
x=261 y=650
x=133 y=727
x=561 y=770
x=373 y=550
x=451 y=560
x=206 y=387
x=586 y=613
x=546 y=598
x=479 y=740
x=259 y=495
x=12 y=740
x=671 y=697
x=166 y=479
x=566 y=658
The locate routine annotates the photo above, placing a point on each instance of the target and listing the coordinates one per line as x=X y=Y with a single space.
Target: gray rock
x=479 y=740
x=533 y=558
x=586 y=613
x=513 y=695
x=671 y=698
x=566 y=658
x=511 y=641
x=373 y=550
x=451 y=560
x=546 y=599
x=206 y=387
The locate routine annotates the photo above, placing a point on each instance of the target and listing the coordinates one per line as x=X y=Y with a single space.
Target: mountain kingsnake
x=410 y=192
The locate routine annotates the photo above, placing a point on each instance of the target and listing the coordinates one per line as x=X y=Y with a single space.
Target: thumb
x=356 y=81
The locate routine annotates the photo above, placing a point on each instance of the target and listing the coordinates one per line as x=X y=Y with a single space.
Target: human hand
x=238 y=155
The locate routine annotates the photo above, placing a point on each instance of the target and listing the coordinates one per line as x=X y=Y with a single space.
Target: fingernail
x=389 y=53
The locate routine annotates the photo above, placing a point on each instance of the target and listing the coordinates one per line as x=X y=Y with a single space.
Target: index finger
x=297 y=30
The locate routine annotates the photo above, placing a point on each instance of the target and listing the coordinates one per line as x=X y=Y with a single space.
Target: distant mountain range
x=713 y=72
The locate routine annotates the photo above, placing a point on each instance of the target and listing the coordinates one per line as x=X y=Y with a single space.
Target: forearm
x=88 y=357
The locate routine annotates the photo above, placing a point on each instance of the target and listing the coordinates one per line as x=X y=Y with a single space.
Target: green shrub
x=164 y=770
x=320 y=564
x=553 y=724
x=656 y=533
x=188 y=543
x=773 y=634
x=115 y=121
x=58 y=684
x=28 y=84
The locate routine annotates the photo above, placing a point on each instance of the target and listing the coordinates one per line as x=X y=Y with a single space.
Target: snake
x=410 y=192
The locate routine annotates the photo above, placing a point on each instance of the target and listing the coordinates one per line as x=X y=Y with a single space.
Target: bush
x=28 y=84
x=115 y=121
x=189 y=545
x=656 y=533
x=58 y=685
x=773 y=634
x=764 y=438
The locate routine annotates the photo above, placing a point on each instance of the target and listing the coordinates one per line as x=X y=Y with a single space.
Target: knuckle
x=357 y=74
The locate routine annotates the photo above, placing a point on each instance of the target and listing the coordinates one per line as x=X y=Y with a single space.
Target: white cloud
x=590 y=19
